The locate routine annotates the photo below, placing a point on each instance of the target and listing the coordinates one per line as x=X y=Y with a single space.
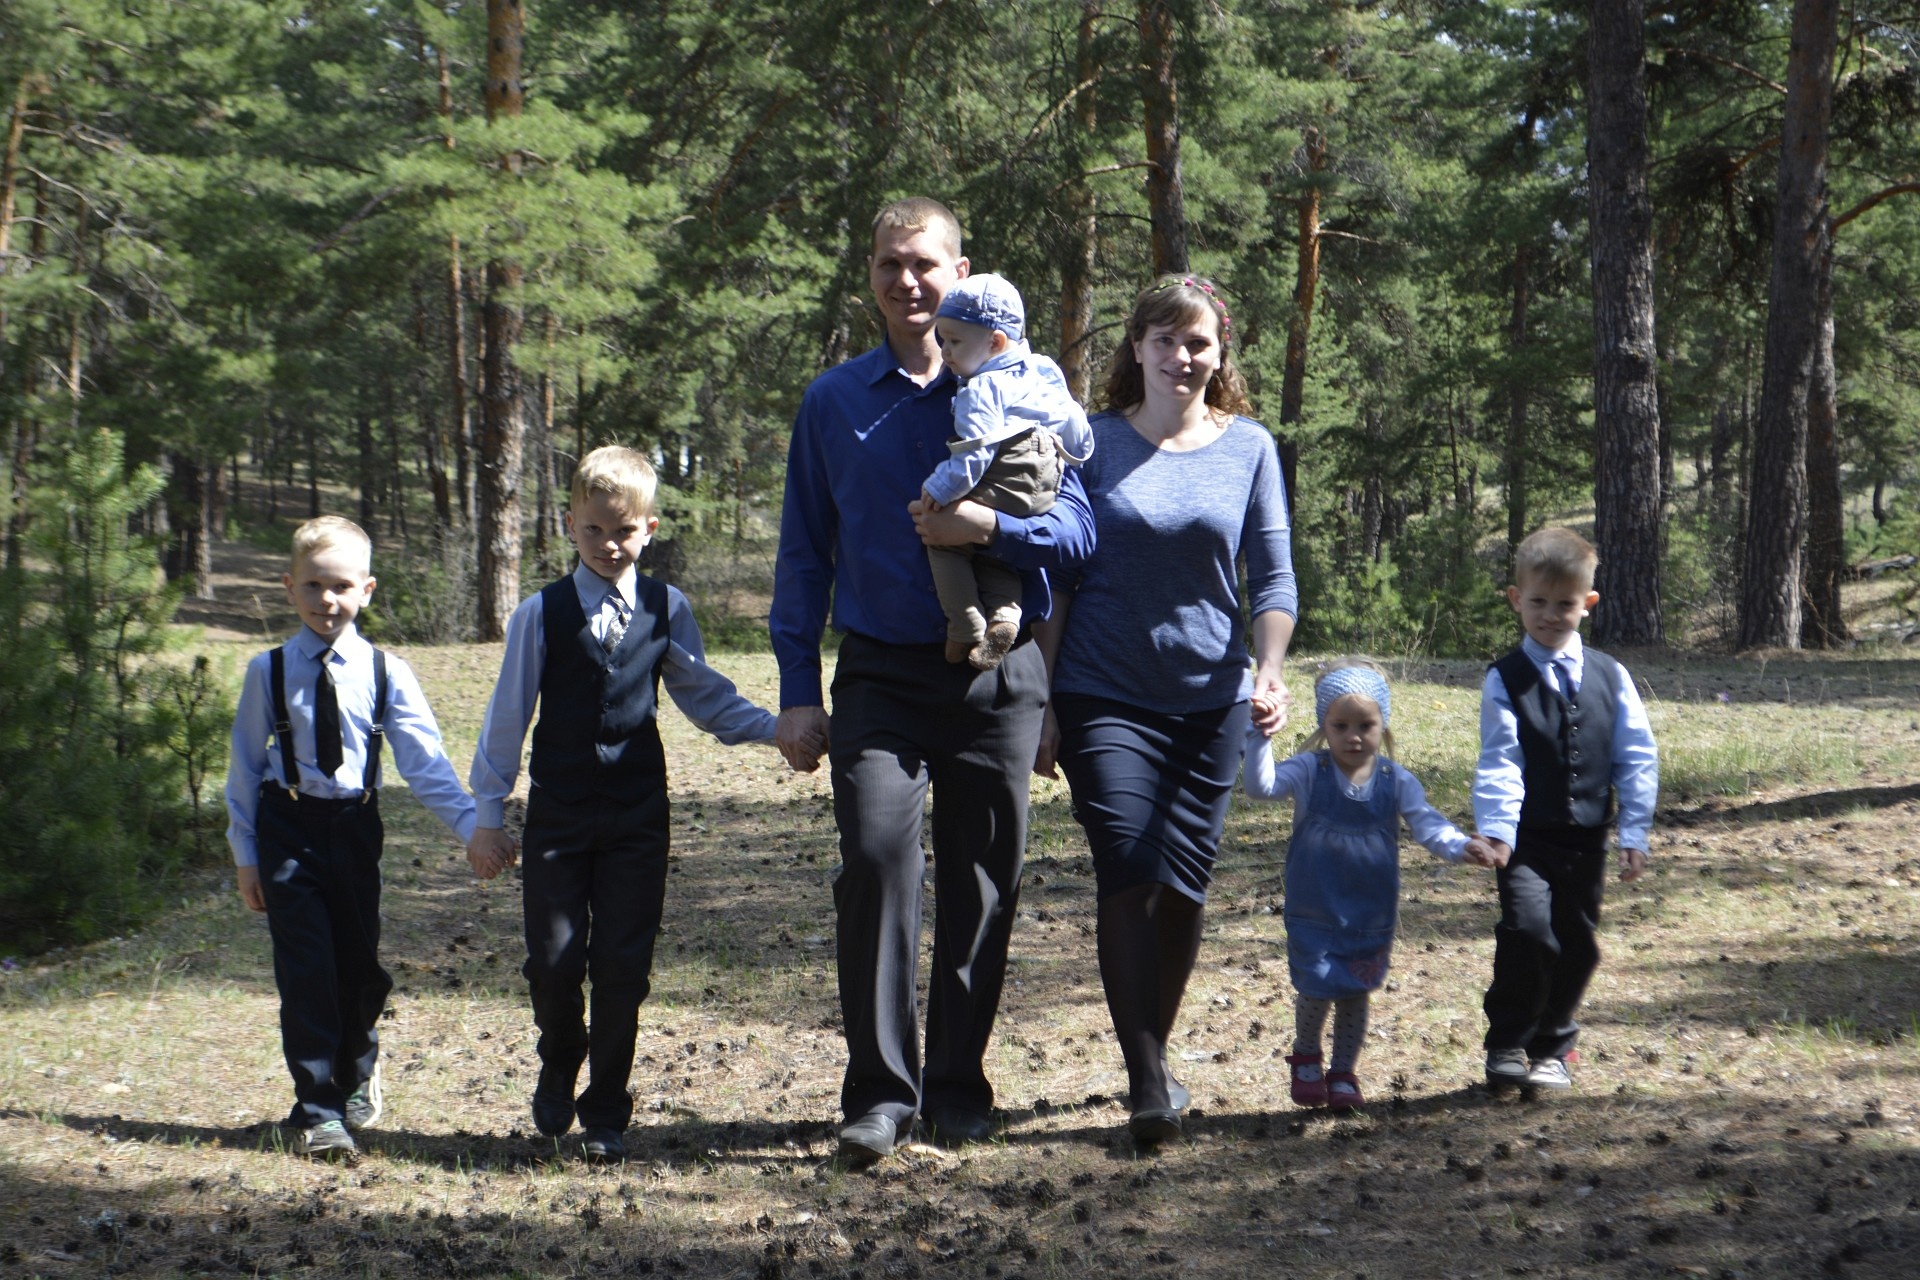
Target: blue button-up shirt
x=865 y=439
x=703 y=695
x=1499 y=784
x=410 y=728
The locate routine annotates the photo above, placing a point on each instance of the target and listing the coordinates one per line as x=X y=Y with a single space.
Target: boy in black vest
x=593 y=649
x=305 y=825
x=1562 y=733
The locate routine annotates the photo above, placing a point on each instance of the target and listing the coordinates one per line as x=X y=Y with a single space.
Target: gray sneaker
x=364 y=1103
x=327 y=1140
x=1549 y=1073
x=1506 y=1068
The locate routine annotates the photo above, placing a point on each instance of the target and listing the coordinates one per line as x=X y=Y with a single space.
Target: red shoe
x=1309 y=1084
x=1343 y=1092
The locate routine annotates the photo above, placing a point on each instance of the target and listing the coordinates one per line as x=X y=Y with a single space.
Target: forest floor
x=1747 y=1102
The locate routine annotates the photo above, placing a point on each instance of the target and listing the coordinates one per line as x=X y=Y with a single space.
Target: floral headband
x=1206 y=287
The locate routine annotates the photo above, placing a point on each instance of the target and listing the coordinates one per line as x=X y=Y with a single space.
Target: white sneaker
x=363 y=1104
x=1548 y=1073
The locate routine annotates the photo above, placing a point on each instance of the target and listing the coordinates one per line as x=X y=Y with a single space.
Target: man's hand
x=1048 y=756
x=1633 y=865
x=248 y=878
x=490 y=852
x=965 y=523
x=802 y=735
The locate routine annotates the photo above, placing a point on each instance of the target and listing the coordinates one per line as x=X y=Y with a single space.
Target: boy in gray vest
x=593 y=650
x=1562 y=734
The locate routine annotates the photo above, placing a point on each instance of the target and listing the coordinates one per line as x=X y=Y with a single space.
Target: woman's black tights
x=1149 y=938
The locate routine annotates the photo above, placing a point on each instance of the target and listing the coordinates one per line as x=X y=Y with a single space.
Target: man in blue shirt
x=852 y=530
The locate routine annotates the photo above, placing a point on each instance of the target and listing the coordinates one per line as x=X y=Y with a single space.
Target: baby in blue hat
x=1015 y=426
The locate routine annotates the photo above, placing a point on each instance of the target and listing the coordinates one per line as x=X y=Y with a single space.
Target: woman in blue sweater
x=1147 y=648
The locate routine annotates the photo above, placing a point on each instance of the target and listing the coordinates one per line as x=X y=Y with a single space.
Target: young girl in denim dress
x=1343 y=868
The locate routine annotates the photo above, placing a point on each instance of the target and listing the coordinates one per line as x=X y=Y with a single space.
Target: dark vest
x=597 y=736
x=1567 y=744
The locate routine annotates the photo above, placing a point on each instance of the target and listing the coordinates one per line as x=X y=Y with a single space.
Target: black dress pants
x=1546 y=945
x=594 y=881
x=904 y=720
x=320 y=872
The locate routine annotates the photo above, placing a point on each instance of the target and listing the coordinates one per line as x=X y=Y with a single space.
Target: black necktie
x=326 y=719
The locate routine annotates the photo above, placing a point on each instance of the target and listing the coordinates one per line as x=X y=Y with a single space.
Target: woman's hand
x=1271 y=702
x=1045 y=760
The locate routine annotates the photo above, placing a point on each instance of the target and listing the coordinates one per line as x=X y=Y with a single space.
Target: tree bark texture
x=1822 y=624
x=501 y=458
x=1770 y=600
x=1626 y=399
x=1160 y=100
x=1076 y=269
x=1306 y=280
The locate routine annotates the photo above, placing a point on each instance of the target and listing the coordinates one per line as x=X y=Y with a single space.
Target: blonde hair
x=1318 y=738
x=1175 y=300
x=322 y=532
x=920 y=213
x=1557 y=555
x=619 y=472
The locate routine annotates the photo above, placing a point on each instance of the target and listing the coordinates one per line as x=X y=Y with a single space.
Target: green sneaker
x=364 y=1103
x=328 y=1140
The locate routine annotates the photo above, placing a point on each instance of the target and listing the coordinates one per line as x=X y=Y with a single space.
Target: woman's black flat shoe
x=1152 y=1126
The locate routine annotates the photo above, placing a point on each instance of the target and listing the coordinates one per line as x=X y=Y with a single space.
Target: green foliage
x=107 y=743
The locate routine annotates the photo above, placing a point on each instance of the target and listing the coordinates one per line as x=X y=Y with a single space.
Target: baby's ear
x=1000 y=342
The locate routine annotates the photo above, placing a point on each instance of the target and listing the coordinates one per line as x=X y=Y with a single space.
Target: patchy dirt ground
x=1747 y=1102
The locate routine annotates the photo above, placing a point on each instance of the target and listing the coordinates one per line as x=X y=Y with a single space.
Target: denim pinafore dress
x=1343 y=885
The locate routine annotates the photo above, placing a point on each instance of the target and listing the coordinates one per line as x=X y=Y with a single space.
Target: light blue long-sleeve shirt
x=411 y=733
x=703 y=695
x=1499 y=783
x=1013 y=393
x=1292 y=779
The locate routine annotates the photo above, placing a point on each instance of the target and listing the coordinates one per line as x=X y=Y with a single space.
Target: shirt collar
x=874 y=366
x=1543 y=656
x=1016 y=354
x=593 y=588
x=310 y=644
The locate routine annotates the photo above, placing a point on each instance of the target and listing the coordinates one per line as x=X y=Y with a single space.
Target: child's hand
x=1482 y=852
x=1269 y=708
x=1633 y=865
x=928 y=502
x=490 y=852
x=248 y=879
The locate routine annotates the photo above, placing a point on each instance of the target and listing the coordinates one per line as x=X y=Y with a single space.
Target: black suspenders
x=283 y=727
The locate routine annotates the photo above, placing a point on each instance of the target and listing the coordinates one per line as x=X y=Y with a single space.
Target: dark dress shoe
x=868 y=1139
x=1151 y=1126
x=552 y=1116
x=603 y=1146
x=957 y=1126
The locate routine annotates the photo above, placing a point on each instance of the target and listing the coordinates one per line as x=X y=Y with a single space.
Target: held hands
x=802 y=735
x=1271 y=702
x=491 y=851
x=1633 y=865
x=248 y=881
x=1482 y=852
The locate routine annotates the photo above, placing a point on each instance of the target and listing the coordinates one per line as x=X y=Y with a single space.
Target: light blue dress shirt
x=1015 y=392
x=1292 y=778
x=703 y=695
x=411 y=733
x=1498 y=783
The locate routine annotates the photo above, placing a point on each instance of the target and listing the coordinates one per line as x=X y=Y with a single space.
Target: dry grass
x=1747 y=1104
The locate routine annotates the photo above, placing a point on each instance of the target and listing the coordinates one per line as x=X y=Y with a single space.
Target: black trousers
x=594 y=880
x=904 y=720
x=1546 y=945
x=320 y=872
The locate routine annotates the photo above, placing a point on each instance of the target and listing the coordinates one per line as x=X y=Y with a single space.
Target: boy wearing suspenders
x=304 y=825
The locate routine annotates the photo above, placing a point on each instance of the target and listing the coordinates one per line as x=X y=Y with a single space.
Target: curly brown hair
x=1173 y=300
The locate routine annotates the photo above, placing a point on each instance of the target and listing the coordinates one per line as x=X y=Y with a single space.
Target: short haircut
x=920 y=213
x=621 y=473
x=323 y=532
x=1557 y=555
x=1175 y=300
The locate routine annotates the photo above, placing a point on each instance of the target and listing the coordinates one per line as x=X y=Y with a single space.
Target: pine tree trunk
x=1770 y=601
x=433 y=442
x=1626 y=398
x=1822 y=624
x=502 y=444
x=1306 y=287
x=1076 y=270
x=1160 y=98
x=1518 y=402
